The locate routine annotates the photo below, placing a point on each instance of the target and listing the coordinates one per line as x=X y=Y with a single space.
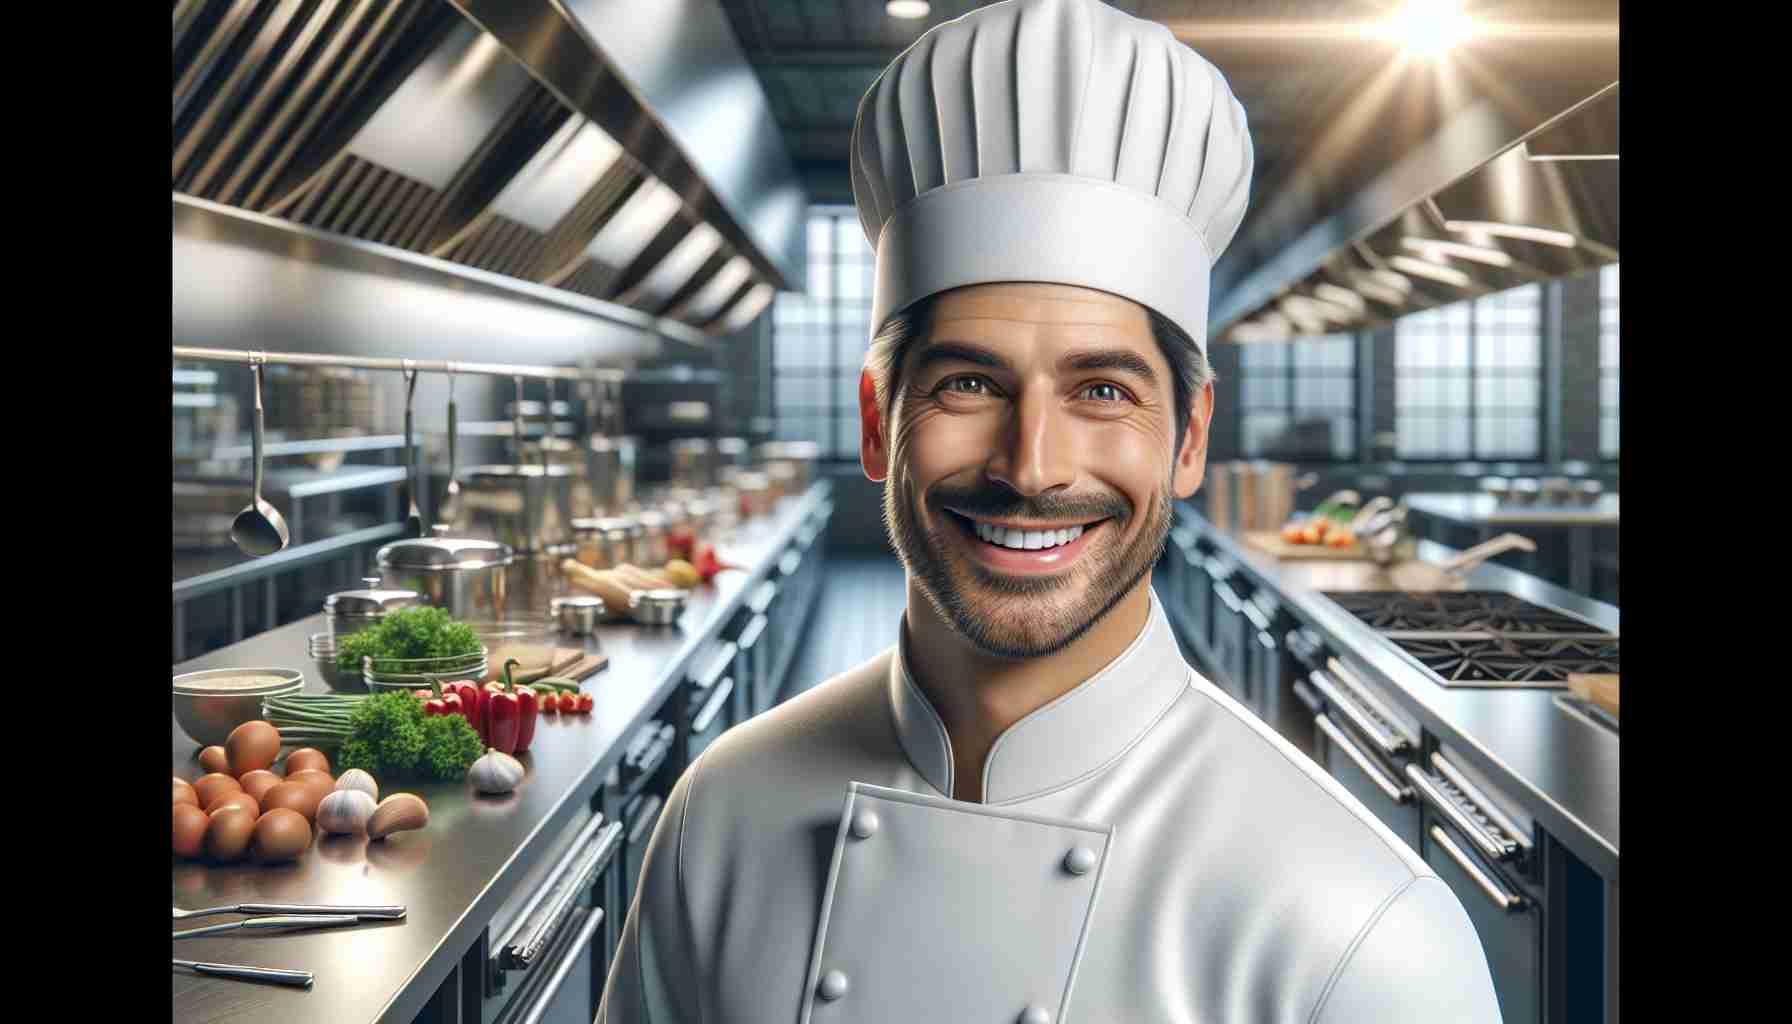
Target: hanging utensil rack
x=224 y=355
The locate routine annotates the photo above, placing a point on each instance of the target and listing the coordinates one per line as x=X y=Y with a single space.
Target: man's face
x=1031 y=459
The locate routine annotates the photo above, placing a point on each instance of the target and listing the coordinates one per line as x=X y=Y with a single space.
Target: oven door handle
x=1383 y=781
x=563 y=970
x=1496 y=848
x=1390 y=743
x=718 y=699
x=1498 y=894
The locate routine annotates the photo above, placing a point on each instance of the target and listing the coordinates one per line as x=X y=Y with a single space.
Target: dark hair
x=1189 y=370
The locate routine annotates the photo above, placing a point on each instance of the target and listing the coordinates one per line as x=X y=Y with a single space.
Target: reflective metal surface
x=454 y=874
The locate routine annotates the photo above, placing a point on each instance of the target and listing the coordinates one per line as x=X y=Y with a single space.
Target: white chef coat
x=1148 y=851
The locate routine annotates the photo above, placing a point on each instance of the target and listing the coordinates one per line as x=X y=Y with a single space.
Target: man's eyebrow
x=942 y=351
x=1111 y=359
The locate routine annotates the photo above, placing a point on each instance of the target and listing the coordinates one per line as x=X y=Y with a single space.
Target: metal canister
x=755 y=495
x=603 y=543
x=351 y=611
x=609 y=475
x=651 y=550
x=466 y=577
x=800 y=456
x=693 y=462
x=527 y=507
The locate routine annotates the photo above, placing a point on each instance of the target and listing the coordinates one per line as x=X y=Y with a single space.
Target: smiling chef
x=1031 y=809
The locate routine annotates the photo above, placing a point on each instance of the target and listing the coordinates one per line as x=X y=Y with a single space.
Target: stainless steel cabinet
x=1230 y=638
x=1508 y=920
x=1366 y=752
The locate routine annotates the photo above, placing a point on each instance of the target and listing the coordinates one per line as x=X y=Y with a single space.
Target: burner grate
x=1459 y=612
x=1507 y=660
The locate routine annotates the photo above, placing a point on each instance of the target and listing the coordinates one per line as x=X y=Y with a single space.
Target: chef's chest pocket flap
x=937 y=910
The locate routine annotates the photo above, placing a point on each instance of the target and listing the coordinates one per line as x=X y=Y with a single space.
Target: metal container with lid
x=755 y=495
x=603 y=542
x=351 y=611
x=609 y=482
x=651 y=550
x=527 y=507
x=693 y=462
x=658 y=607
x=800 y=456
x=464 y=576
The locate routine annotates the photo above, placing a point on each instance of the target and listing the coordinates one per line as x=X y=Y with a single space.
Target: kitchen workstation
x=518 y=461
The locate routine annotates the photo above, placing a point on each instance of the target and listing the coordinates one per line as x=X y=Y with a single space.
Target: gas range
x=1485 y=639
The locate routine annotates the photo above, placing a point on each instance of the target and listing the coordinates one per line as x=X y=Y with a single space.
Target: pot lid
x=373 y=602
x=443 y=553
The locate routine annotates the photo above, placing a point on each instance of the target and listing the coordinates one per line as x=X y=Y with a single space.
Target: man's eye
x=1104 y=393
x=966 y=385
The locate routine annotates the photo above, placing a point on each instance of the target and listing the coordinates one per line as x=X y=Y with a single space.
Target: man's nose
x=1036 y=453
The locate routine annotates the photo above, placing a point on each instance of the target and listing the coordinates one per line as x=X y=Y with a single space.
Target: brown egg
x=258 y=782
x=189 y=830
x=227 y=837
x=294 y=796
x=306 y=757
x=183 y=793
x=239 y=798
x=318 y=780
x=280 y=834
x=213 y=759
x=252 y=745
x=210 y=787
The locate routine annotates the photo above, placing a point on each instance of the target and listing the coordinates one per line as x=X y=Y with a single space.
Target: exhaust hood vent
x=1543 y=208
x=405 y=123
x=266 y=92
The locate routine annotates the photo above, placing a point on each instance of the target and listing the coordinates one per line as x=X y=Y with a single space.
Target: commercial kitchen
x=515 y=371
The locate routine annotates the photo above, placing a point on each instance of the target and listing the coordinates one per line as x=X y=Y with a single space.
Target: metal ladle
x=413 y=519
x=451 y=500
x=258 y=529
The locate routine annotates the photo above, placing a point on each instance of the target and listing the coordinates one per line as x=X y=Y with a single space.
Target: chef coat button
x=1079 y=861
x=833 y=986
x=1035 y=1015
x=864 y=824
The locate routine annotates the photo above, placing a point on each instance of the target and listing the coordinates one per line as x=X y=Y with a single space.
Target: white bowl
x=210 y=716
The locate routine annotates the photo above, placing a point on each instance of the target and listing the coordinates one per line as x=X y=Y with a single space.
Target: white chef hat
x=1050 y=140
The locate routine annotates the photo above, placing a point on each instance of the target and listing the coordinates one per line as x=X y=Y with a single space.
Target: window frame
x=828 y=315
x=1292 y=373
x=1472 y=375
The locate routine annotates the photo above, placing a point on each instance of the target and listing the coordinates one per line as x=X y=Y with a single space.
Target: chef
x=1030 y=808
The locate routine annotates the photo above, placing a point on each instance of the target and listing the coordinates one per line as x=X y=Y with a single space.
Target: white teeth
x=1025 y=540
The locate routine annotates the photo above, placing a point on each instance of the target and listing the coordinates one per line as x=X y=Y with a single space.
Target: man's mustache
x=998 y=502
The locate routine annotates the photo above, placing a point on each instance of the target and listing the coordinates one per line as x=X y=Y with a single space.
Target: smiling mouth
x=1022 y=537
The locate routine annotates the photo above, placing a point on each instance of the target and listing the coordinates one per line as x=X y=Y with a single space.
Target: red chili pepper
x=585 y=703
x=470 y=704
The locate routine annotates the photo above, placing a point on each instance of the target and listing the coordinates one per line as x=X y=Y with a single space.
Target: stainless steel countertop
x=1486 y=510
x=1562 y=767
x=455 y=873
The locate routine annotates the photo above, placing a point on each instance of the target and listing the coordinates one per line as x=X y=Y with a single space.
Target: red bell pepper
x=501 y=714
x=527 y=708
x=471 y=703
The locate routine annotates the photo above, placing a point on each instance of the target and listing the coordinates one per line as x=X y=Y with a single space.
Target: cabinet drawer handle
x=1508 y=901
x=595 y=860
x=644 y=817
x=1496 y=848
x=564 y=969
x=1482 y=802
x=1390 y=743
x=718 y=665
x=1388 y=785
x=712 y=707
x=751 y=633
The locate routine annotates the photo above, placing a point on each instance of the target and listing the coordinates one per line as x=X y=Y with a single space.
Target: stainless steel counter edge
x=416 y=993
x=1409 y=686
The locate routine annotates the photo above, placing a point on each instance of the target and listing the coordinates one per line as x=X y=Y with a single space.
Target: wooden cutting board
x=1273 y=544
x=564 y=662
x=1600 y=689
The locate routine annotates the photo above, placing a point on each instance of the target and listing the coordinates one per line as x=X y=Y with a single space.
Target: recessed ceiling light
x=1431 y=248
x=908 y=8
x=1429 y=28
x=1524 y=232
x=1422 y=268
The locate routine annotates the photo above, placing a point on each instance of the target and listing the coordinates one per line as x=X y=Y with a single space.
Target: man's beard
x=1022 y=616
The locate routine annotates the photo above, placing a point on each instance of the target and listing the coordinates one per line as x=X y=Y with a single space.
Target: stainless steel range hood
x=1543 y=206
x=405 y=123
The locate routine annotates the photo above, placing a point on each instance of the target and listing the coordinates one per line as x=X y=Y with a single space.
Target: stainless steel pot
x=527 y=507
x=466 y=577
x=609 y=482
x=351 y=611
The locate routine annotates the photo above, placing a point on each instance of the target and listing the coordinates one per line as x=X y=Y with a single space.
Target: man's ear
x=873 y=455
x=1191 y=459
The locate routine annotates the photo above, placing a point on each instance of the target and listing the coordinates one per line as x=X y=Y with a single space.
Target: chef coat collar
x=1063 y=741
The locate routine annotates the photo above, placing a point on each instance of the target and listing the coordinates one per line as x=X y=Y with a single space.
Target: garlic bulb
x=355 y=778
x=345 y=812
x=399 y=812
x=495 y=772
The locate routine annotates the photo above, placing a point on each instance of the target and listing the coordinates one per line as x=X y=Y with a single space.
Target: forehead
x=1047 y=311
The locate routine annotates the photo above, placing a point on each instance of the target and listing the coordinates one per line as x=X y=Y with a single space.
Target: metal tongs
x=364 y=912
x=277 y=923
